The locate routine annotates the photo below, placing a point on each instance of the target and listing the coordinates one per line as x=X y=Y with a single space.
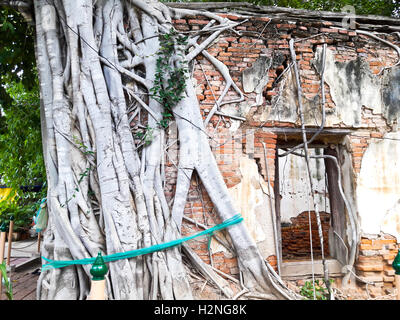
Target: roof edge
x=368 y=22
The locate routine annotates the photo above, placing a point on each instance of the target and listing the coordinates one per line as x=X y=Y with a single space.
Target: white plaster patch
x=250 y=196
x=352 y=85
x=378 y=187
x=254 y=80
x=285 y=105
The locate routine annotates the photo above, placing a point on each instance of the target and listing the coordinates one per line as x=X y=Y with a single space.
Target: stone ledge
x=302 y=269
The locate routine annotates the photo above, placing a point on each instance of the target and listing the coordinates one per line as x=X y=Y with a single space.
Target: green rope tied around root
x=138 y=252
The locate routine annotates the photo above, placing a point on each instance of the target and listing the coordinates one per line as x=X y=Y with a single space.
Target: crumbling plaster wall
x=251 y=197
x=351 y=86
x=378 y=187
x=358 y=98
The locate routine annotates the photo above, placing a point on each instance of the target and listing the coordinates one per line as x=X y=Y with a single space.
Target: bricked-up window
x=295 y=209
x=296 y=242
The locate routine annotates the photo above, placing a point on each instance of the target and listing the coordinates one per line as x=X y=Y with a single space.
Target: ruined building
x=354 y=119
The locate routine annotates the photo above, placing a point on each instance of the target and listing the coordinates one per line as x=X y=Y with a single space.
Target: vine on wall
x=171 y=73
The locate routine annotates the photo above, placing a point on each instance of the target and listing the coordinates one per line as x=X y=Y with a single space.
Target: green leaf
x=7 y=284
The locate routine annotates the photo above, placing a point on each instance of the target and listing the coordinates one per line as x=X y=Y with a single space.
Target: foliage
x=170 y=77
x=22 y=209
x=21 y=158
x=17 y=55
x=378 y=7
x=7 y=283
x=146 y=136
x=321 y=292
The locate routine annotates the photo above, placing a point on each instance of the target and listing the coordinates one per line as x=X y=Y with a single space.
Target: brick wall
x=374 y=263
x=296 y=237
x=239 y=52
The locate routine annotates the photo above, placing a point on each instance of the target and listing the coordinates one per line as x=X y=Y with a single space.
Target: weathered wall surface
x=378 y=187
x=251 y=197
x=359 y=97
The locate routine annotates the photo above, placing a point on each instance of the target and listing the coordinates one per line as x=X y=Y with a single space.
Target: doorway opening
x=294 y=206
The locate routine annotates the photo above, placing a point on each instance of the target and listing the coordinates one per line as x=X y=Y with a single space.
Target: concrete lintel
x=331 y=131
x=303 y=269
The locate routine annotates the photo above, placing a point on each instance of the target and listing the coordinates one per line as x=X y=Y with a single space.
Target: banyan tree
x=113 y=75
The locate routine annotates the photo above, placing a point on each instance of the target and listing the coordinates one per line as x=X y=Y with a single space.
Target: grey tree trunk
x=97 y=62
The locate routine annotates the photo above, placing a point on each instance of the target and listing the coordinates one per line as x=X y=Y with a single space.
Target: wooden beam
x=337 y=206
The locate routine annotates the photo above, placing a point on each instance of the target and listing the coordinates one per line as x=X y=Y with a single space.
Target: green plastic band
x=138 y=252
